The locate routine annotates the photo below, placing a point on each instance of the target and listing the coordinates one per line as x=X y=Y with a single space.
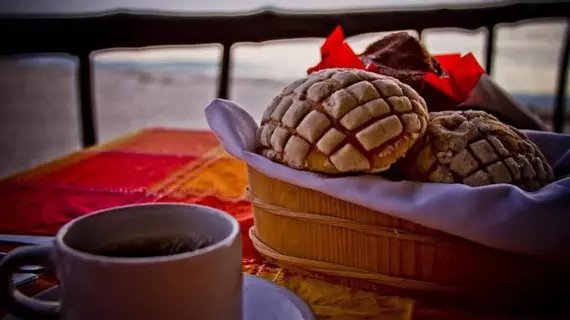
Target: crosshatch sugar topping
x=475 y=148
x=342 y=120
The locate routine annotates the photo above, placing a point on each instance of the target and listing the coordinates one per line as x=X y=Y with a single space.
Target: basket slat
x=306 y=226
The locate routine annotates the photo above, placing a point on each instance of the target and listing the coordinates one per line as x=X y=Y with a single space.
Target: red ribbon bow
x=336 y=53
x=461 y=72
x=461 y=75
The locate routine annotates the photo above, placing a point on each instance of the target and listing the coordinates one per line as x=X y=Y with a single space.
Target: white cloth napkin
x=499 y=216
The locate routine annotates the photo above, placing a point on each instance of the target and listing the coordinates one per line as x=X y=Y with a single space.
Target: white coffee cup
x=201 y=284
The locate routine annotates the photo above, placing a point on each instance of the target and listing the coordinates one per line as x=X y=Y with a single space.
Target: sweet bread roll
x=475 y=148
x=342 y=121
x=402 y=56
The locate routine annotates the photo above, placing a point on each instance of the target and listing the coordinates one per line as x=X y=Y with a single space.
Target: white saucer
x=263 y=300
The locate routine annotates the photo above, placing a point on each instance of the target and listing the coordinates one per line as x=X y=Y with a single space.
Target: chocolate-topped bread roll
x=402 y=56
x=342 y=121
x=475 y=148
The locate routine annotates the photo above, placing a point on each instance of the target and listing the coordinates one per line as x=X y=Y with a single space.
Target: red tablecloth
x=150 y=166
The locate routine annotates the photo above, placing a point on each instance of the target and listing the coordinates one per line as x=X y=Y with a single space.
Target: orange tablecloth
x=160 y=165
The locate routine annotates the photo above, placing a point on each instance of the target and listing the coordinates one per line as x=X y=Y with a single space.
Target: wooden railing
x=82 y=35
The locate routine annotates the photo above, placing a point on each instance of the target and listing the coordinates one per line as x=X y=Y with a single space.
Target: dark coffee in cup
x=141 y=247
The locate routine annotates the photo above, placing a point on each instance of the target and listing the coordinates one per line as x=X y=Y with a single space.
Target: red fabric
x=336 y=53
x=446 y=61
x=157 y=165
x=333 y=42
x=117 y=171
x=462 y=74
x=42 y=210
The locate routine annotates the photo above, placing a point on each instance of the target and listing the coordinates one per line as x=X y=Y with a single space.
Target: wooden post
x=560 y=104
x=86 y=110
x=224 y=78
x=489 y=49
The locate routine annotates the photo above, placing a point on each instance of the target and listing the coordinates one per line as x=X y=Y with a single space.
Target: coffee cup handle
x=13 y=300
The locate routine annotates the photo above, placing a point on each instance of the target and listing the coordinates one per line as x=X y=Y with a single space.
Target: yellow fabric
x=337 y=302
x=216 y=173
x=225 y=177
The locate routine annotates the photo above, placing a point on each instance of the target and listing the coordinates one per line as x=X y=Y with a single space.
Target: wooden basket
x=323 y=236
